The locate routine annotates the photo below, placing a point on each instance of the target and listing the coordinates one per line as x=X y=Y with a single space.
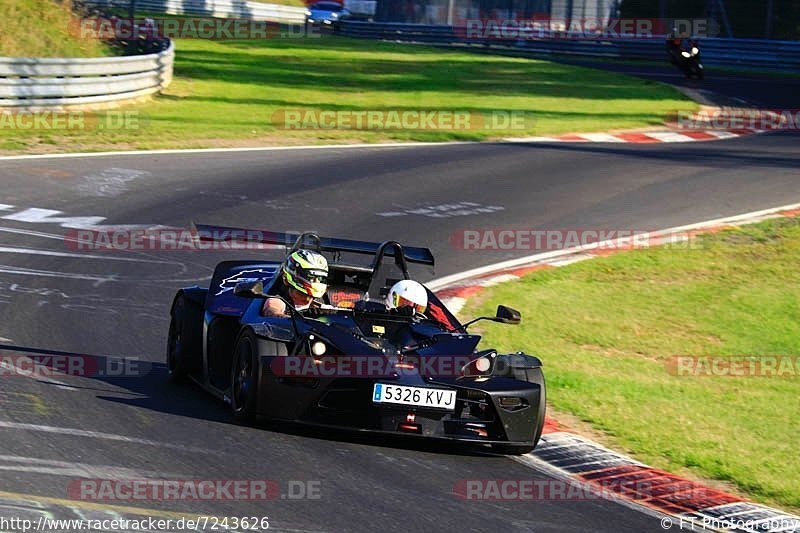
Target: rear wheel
x=183 y=339
x=244 y=377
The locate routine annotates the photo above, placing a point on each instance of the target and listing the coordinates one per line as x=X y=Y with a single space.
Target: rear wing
x=207 y=233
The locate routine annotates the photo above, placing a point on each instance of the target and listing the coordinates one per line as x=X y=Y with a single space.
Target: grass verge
x=44 y=28
x=226 y=93
x=606 y=330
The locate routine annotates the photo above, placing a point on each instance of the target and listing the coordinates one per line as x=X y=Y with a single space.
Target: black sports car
x=352 y=363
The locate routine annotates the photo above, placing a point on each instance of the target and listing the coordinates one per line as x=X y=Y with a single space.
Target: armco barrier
x=55 y=82
x=241 y=9
x=751 y=54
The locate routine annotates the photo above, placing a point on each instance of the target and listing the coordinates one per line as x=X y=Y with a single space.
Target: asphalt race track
x=54 y=297
x=719 y=88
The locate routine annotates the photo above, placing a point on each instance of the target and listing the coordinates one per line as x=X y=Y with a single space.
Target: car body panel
x=366 y=330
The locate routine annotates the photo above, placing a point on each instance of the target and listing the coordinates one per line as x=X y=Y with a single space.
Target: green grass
x=44 y=28
x=606 y=327
x=226 y=93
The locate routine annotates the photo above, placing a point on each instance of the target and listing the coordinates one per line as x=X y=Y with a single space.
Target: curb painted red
x=577 y=459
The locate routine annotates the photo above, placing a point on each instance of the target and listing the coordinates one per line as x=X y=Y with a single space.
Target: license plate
x=416 y=396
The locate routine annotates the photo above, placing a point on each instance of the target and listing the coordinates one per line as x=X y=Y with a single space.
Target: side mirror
x=249 y=289
x=504 y=315
x=507 y=315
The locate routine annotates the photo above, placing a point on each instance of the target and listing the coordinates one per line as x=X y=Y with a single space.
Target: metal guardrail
x=241 y=9
x=751 y=54
x=55 y=82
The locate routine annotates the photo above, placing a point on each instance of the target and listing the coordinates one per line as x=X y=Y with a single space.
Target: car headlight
x=686 y=54
x=318 y=348
x=334 y=16
x=482 y=366
x=308 y=13
x=695 y=51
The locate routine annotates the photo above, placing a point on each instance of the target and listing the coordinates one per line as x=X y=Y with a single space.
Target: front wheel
x=531 y=375
x=700 y=74
x=510 y=449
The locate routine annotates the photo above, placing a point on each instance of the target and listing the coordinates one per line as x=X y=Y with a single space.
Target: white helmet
x=408 y=293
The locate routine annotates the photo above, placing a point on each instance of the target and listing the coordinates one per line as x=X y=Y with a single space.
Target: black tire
x=535 y=375
x=508 y=449
x=184 y=338
x=532 y=375
x=244 y=377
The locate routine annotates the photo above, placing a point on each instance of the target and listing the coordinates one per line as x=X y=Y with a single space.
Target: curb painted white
x=666 y=136
x=652 y=137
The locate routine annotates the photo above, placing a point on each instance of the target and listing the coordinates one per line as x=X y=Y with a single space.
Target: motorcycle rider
x=302 y=283
x=674 y=45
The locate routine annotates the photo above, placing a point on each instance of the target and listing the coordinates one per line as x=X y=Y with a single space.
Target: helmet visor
x=398 y=301
x=313 y=286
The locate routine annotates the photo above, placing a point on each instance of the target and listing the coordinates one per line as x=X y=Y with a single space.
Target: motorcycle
x=687 y=59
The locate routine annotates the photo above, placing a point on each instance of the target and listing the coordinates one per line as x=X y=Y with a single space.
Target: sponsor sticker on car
x=416 y=396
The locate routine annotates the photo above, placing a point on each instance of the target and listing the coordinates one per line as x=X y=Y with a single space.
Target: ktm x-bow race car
x=352 y=363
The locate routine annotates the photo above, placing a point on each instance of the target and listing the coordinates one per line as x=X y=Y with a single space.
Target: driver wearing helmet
x=303 y=280
x=408 y=293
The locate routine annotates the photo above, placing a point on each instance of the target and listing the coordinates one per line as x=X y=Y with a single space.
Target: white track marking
x=235 y=150
x=32 y=251
x=17 y=463
x=36 y=215
x=76 y=432
x=32 y=233
x=7 y=269
x=110 y=182
x=457 y=209
x=6 y=207
x=97 y=278
x=522 y=261
x=25 y=374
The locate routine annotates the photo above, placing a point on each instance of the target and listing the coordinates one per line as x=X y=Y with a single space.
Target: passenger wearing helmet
x=408 y=293
x=302 y=280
